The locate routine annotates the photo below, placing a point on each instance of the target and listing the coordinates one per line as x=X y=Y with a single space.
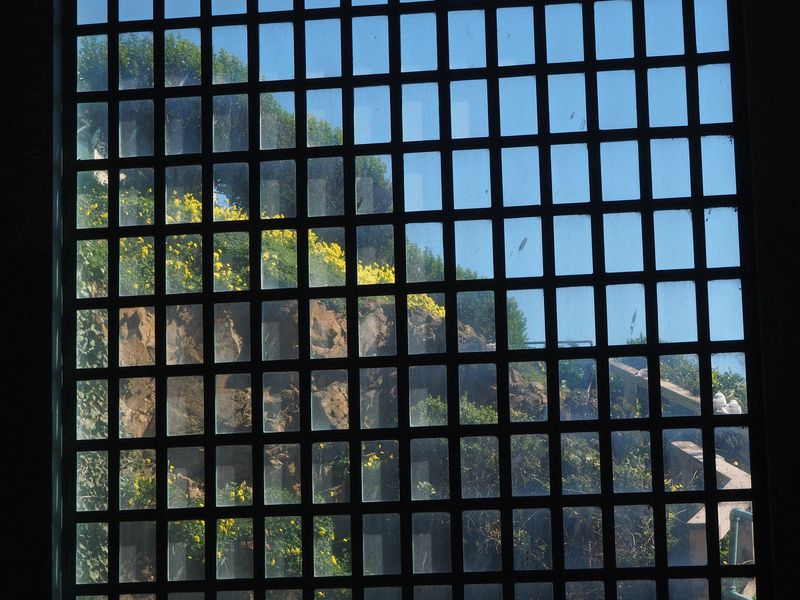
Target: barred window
x=406 y=299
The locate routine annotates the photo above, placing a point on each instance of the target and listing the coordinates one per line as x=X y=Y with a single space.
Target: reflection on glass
x=92 y=67
x=186 y=546
x=374 y=184
x=235 y=552
x=186 y=481
x=185 y=412
x=232 y=403
x=628 y=387
x=92 y=133
x=530 y=465
x=427 y=396
x=377 y=320
x=378 y=397
x=325 y=186
x=183 y=194
x=277 y=121
x=683 y=460
x=234 y=476
x=278 y=259
x=381 y=544
x=279 y=333
x=430 y=469
x=230 y=123
x=278 y=182
x=231 y=183
x=182 y=126
x=688 y=589
x=232 y=332
x=420 y=112
x=328 y=327
x=91 y=553
x=468 y=109
x=135 y=60
x=533 y=591
x=229 y=46
x=330 y=472
x=136 y=124
x=532 y=541
x=686 y=530
x=430 y=543
x=330 y=408
x=477 y=526
x=375 y=254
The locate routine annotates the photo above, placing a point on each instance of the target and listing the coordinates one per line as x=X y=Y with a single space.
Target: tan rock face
x=137 y=339
x=281 y=402
x=376 y=328
x=184 y=335
x=137 y=407
x=328 y=331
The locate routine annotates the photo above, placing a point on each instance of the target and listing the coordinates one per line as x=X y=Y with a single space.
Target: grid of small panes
x=394 y=299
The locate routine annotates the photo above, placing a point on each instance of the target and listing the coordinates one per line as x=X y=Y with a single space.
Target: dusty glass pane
x=323 y=48
x=380 y=471
x=686 y=532
x=370 y=45
x=424 y=252
x=418 y=42
x=136 y=203
x=233 y=407
x=518 y=106
x=564 y=32
x=628 y=387
x=477 y=389
x=330 y=407
x=375 y=254
x=420 y=112
x=136 y=124
x=634 y=536
x=229 y=47
x=182 y=126
x=92 y=131
x=231 y=261
x=91 y=477
x=137 y=479
x=137 y=407
x=567 y=101
x=276 y=51
x=185 y=405
x=186 y=545
x=92 y=68
x=137 y=344
x=277 y=120
x=530 y=465
x=430 y=540
x=683 y=460
x=377 y=326
x=91 y=553
x=426 y=323
x=324 y=118
x=278 y=185
x=184 y=264
x=92 y=410
x=430 y=478
x=325 y=186
x=330 y=472
x=467 y=39
x=578 y=389
x=515 y=36
x=677 y=311
x=186 y=481
x=279 y=332
x=328 y=327
x=423 y=181
x=616 y=99
x=521 y=176
x=583 y=538
x=575 y=316
x=230 y=128
x=182 y=64
x=663 y=27
x=332 y=546
x=326 y=257
x=92 y=199
x=283 y=547
x=427 y=396
x=468 y=109
x=92 y=269
x=625 y=314
x=471 y=179
x=474 y=250
x=478 y=526
x=234 y=476
x=378 y=397
x=381 y=543
x=680 y=384
x=137 y=551
x=183 y=194
x=282 y=472
x=232 y=332
x=135 y=60
x=532 y=541
x=234 y=552
x=613 y=29
x=374 y=184
x=281 y=401
x=573 y=244
x=479 y=467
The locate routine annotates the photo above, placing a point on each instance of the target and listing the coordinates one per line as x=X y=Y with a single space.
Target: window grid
x=550 y=282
